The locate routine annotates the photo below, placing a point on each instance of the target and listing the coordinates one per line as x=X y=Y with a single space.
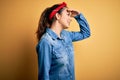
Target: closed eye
x=68 y=14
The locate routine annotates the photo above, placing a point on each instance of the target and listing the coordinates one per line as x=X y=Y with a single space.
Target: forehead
x=65 y=10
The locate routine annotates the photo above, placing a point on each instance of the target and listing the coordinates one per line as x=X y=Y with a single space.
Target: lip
x=68 y=23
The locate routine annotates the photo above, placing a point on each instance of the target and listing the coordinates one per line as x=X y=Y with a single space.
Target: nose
x=70 y=17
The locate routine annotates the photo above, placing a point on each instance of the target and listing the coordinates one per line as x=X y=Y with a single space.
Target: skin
x=63 y=20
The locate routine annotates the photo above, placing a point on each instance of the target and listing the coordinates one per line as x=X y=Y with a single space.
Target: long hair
x=44 y=21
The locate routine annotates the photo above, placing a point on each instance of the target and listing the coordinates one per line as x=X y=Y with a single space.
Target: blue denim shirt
x=56 y=54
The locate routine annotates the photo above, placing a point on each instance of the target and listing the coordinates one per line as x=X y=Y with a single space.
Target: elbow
x=87 y=35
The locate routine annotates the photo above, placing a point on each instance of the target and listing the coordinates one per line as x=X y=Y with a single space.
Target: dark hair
x=44 y=21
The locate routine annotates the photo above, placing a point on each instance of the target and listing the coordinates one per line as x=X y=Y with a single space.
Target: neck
x=57 y=28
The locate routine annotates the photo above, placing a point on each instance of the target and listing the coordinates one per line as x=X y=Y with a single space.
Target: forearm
x=83 y=24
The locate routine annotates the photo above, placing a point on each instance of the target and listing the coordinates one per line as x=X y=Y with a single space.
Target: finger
x=69 y=9
x=73 y=10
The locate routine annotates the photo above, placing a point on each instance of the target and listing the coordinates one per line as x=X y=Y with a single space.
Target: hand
x=73 y=12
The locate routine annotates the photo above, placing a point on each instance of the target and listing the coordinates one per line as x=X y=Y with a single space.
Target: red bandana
x=57 y=9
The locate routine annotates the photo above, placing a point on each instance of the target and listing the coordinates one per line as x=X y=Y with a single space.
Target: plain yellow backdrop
x=96 y=58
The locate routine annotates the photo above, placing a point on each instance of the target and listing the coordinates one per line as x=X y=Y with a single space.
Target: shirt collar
x=52 y=34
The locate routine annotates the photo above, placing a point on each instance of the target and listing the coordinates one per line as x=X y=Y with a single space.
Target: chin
x=66 y=27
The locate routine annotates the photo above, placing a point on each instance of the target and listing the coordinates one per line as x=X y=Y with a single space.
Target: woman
x=55 y=49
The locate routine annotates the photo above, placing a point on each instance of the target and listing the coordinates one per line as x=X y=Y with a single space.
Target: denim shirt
x=56 y=54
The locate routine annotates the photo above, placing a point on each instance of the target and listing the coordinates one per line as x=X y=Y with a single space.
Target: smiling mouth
x=68 y=23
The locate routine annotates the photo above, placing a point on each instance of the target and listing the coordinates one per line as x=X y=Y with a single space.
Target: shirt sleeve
x=84 y=29
x=44 y=59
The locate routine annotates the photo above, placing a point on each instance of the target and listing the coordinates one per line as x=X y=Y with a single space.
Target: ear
x=58 y=16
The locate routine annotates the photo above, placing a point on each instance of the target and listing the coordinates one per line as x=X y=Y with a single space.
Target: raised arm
x=83 y=24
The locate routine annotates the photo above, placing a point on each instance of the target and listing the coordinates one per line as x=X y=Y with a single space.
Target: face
x=65 y=18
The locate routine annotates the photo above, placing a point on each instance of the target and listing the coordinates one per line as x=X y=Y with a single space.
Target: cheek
x=64 y=20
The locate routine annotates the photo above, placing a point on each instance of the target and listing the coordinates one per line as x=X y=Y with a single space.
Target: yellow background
x=96 y=58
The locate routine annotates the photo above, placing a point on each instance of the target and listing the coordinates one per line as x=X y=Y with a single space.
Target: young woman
x=55 y=49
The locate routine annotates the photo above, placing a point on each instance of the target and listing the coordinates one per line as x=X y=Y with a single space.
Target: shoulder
x=65 y=32
x=44 y=39
x=43 y=43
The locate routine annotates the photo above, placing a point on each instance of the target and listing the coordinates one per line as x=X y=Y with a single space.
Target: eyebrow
x=68 y=11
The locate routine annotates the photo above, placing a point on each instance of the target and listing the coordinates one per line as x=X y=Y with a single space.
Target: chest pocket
x=60 y=55
x=69 y=47
x=59 y=52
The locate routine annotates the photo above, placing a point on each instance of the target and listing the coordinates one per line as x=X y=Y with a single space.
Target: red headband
x=57 y=9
